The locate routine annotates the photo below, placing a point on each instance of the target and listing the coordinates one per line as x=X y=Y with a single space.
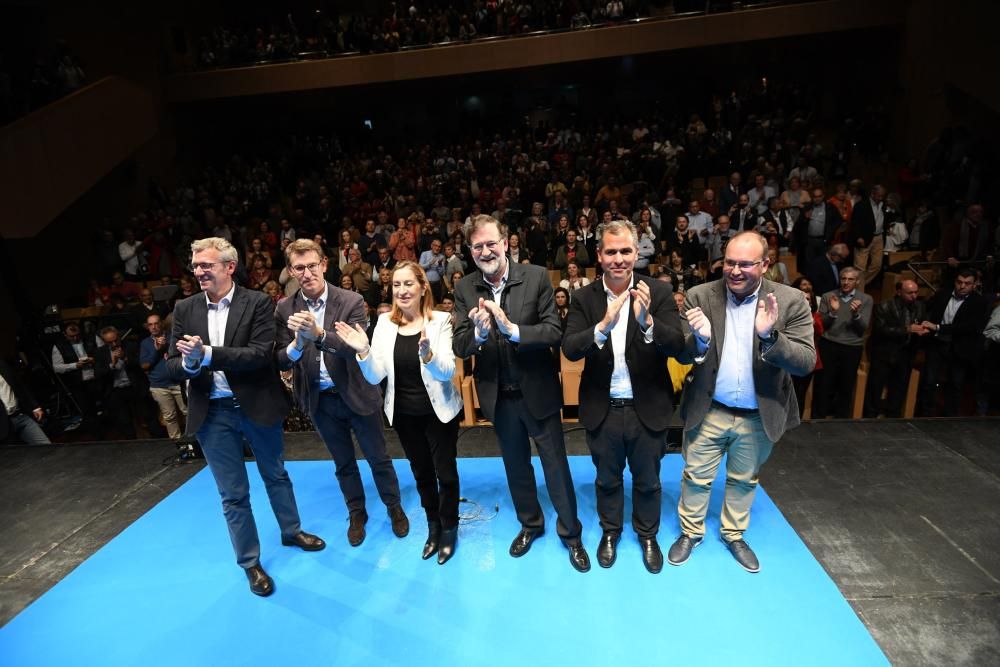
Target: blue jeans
x=221 y=438
x=27 y=430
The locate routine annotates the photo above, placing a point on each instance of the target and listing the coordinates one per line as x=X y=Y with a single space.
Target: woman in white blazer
x=411 y=348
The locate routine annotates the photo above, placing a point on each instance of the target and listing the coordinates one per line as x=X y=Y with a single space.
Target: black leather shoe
x=681 y=549
x=356 y=529
x=607 y=550
x=260 y=583
x=400 y=524
x=744 y=555
x=578 y=557
x=305 y=541
x=446 y=548
x=652 y=557
x=522 y=543
x=433 y=539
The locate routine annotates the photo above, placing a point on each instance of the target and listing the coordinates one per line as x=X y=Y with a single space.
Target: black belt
x=736 y=411
x=509 y=391
x=224 y=402
x=621 y=402
x=331 y=390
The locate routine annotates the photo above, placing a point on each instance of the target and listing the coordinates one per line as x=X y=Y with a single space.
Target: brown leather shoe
x=356 y=529
x=305 y=541
x=260 y=583
x=400 y=524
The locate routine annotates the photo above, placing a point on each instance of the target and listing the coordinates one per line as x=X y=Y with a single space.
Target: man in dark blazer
x=897 y=333
x=505 y=315
x=746 y=337
x=625 y=326
x=867 y=234
x=20 y=413
x=824 y=271
x=815 y=229
x=954 y=348
x=125 y=390
x=329 y=386
x=222 y=343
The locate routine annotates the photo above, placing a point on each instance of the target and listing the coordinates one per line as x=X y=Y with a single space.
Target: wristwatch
x=319 y=341
x=770 y=339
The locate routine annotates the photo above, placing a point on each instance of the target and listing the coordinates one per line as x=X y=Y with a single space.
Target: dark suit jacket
x=863 y=223
x=246 y=357
x=727 y=197
x=341 y=306
x=891 y=339
x=530 y=305
x=26 y=402
x=966 y=330
x=105 y=374
x=793 y=353
x=647 y=362
x=821 y=276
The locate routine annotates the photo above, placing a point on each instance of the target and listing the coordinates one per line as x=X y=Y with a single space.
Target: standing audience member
x=846 y=313
x=955 y=321
x=801 y=382
x=412 y=349
x=22 y=414
x=897 y=331
x=868 y=227
x=164 y=390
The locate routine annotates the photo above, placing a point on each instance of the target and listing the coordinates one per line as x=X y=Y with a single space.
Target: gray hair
x=617 y=228
x=227 y=253
x=850 y=269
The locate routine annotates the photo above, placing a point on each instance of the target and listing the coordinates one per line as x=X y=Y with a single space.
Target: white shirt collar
x=321 y=301
x=224 y=301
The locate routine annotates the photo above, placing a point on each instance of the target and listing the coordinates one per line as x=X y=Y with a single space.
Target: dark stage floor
x=903 y=515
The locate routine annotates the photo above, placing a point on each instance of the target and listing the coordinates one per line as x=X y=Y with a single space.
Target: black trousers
x=334 y=421
x=622 y=438
x=943 y=367
x=431 y=447
x=514 y=424
x=840 y=375
x=892 y=371
x=801 y=386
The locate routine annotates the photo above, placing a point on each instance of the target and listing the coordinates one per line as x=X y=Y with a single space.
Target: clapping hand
x=191 y=347
x=304 y=326
x=355 y=338
x=767 y=315
x=424 y=347
x=855 y=305
x=611 y=316
x=641 y=299
x=481 y=319
x=834 y=303
x=700 y=326
x=504 y=325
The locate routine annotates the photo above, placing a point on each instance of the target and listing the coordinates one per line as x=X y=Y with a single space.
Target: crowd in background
x=689 y=180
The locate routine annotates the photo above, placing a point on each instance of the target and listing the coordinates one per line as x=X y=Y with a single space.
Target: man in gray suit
x=746 y=337
x=329 y=386
x=222 y=344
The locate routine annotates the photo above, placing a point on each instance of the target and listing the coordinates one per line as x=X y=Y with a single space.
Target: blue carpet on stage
x=167 y=591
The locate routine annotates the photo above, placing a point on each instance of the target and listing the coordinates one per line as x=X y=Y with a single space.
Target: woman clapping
x=411 y=346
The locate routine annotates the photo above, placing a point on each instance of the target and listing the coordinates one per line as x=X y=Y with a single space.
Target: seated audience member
x=776 y=272
x=699 y=222
x=73 y=360
x=562 y=298
x=381 y=291
x=682 y=276
x=433 y=261
x=515 y=252
x=574 y=279
x=685 y=241
x=955 y=321
x=260 y=275
x=22 y=415
x=273 y=290
x=801 y=383
x=646 y=250
x=167 y=393
x=815 y=230
x=846 y=313
x=359 y=271
x=128 y=291
x=897 y=332
x=97 y=294
x=146 y=307
x=571 y=251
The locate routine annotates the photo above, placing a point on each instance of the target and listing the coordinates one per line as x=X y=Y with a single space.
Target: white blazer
x=445 y=399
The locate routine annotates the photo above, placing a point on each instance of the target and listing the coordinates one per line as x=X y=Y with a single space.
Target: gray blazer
x=793 y=353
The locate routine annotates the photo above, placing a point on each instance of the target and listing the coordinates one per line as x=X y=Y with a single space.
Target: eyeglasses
x=744 y=266
x=492 y=245
x=300 y=269
x=204 y=266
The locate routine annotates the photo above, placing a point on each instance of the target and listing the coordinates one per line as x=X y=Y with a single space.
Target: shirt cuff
x=599 y=338
x=515 y=334
x=294 y=353
x=647 y=335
